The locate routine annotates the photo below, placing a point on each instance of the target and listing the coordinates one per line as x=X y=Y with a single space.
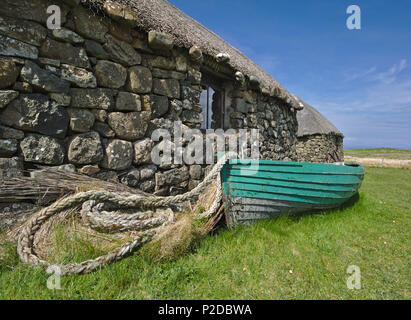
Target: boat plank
x=300 y=177
x=290 y=191
x=293 y=184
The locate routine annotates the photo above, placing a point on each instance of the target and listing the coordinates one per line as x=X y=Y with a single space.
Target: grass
x=387 y=153
x=286 y=258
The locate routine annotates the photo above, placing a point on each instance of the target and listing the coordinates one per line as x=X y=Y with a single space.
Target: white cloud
x=390 y=75
x=359 y=75
x=387 y=77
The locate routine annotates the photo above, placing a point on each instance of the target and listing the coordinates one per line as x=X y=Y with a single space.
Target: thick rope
x=96 y=217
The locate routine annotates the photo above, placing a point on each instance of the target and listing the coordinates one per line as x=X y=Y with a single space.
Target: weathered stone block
x=36 y=113
x=181 y=63
x=162 y=63
x=42 y=149
x=26 y=31
x=160 y=41
x=86 y=149
x=11 y=167
x=172 y=177
x=158 y=106
x=240 y=105
x=140 y=80
x=129 y=126
x=92 y=98
x=65 y=52
x=43 y=79
x=131 y=178
x=160 y=123
x=10 y=133
x=61 y=99
x=119 y=155
x=167 y=87
x=190 y=94
x=78 y=76
x=127 y=101
x=15 y=48
x=148 y=172
x=120 y=13
x=95 y=49
x=110 y=74
x=194 y=76
x=8 y=73
x=122 y=52
x=142 y=151
x=7 y=96
x=80 y=120
x=8 y=147
x=196 y=55
x=67 y=35
x=89 y=25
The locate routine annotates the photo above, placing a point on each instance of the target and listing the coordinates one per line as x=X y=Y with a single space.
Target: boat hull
x=261 y=189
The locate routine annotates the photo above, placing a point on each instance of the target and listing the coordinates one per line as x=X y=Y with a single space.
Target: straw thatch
x=160 y=15
x=311 y=122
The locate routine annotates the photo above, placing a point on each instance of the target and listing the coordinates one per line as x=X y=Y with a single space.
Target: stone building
x=318 y=139
x=90 y=94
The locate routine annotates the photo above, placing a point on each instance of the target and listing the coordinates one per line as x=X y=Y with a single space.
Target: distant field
x=387 y=153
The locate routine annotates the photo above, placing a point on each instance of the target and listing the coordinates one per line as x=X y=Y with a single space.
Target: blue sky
x=359 y=79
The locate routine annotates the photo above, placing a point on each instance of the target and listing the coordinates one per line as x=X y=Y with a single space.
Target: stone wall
x=320 y=148
x=90 y=95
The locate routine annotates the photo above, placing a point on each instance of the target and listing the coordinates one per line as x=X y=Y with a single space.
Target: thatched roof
x=162 y=16
x=311 y=122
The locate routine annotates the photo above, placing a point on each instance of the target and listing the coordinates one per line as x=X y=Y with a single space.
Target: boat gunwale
x=296 y=172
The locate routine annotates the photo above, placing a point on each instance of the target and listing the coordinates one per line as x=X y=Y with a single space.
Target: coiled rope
x=149 y=224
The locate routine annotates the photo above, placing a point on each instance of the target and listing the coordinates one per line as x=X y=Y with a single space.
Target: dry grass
x=175 y=241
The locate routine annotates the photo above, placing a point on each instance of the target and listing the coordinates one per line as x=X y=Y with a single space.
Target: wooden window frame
x=207 y=83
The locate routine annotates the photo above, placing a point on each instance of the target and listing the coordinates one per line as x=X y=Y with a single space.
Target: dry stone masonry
x=91 y=93
x=318 y=139
x=320 y=148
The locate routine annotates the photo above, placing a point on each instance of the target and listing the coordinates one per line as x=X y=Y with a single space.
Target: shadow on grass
x=348 y=204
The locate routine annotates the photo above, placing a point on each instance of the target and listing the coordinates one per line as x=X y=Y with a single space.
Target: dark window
x=212 y=101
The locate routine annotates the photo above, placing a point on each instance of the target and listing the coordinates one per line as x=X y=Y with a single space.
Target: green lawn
x=287 y=258
x=387 y=153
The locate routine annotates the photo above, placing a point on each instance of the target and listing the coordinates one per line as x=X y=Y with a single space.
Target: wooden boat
x=262 y=189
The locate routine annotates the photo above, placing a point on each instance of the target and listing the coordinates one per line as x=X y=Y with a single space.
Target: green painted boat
x=263 y=189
